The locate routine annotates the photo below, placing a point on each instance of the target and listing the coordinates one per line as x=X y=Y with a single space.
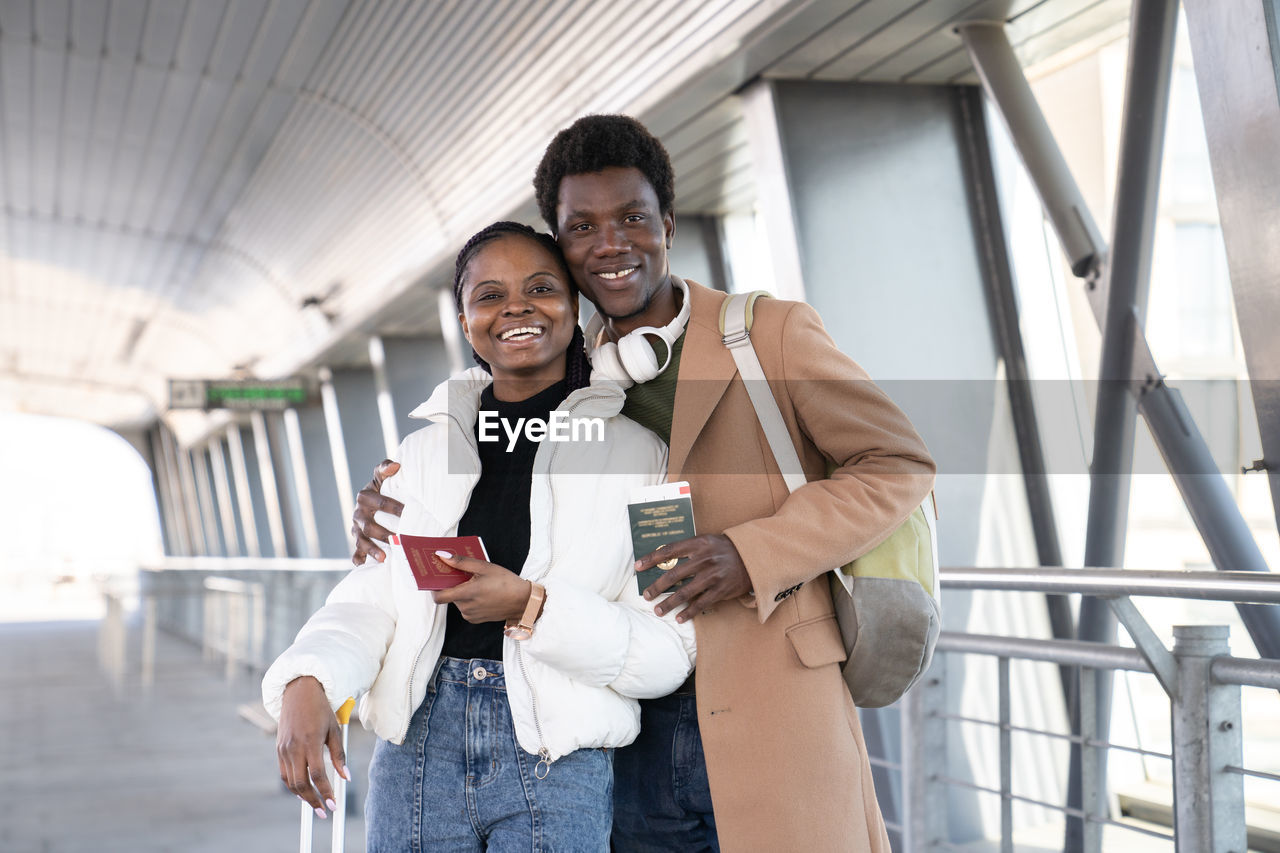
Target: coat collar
x=706 y=368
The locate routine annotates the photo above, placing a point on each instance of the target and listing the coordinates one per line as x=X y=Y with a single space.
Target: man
x=763 y=751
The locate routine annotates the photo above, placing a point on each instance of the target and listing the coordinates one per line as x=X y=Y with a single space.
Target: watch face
x=518 y=632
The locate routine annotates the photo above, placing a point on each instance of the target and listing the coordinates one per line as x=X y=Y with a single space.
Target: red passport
x=428 y=570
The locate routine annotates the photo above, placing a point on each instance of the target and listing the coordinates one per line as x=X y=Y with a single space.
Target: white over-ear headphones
x=632 y=359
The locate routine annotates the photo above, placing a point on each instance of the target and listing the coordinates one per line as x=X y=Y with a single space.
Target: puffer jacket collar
x=460 y=398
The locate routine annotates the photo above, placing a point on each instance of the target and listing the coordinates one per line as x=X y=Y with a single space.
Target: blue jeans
x=460 y=781
x=661 y=800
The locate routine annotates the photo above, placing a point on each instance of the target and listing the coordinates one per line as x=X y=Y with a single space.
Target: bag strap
x=736 y=316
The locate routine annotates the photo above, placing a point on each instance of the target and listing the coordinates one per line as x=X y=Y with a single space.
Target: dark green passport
x=660 y=515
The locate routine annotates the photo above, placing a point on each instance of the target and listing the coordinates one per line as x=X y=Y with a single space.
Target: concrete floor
x=85 y=767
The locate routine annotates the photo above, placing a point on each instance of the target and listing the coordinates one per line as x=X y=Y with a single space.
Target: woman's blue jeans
x=460 y=781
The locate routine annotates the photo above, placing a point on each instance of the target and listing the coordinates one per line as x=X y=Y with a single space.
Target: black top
x=498 y=511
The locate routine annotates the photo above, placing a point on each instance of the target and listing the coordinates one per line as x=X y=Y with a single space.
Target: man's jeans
x=661 y=801
x=461 y=781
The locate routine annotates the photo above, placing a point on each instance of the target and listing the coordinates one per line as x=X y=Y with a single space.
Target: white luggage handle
x=339 y=842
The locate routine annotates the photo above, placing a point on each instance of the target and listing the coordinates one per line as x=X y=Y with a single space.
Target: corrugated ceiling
x=179 y=178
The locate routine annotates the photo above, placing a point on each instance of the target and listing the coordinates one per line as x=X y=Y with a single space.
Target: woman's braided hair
x=577 y=367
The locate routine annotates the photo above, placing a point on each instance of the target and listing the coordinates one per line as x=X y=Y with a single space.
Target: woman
x=487 y=741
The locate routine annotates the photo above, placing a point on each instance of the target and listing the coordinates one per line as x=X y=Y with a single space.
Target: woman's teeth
x=523 y=333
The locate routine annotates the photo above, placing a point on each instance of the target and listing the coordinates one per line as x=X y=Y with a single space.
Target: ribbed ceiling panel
x=178 y=176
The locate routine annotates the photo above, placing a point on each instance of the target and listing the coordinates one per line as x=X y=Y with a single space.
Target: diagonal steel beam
x=1210 y=503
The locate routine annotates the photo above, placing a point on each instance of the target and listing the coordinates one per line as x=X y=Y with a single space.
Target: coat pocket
x=817 y=641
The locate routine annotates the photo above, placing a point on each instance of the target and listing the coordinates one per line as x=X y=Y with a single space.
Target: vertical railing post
x=1006 y=758
x=1208 y=799
x=149 y=641
x=1092 y=765
x=924 y=760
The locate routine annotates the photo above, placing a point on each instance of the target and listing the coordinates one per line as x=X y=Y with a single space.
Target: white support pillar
x=176 y=494
x=190 y=501
x=244 y=498
x=386 y=408
x=773 y=185
x=454 y=343
x=337 y=451
x=222 y=489
x=306 y=507
x=167 y=484
x=213 y=542
x=270 y=493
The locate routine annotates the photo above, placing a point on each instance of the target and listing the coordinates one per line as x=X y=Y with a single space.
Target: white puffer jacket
x=597 y=646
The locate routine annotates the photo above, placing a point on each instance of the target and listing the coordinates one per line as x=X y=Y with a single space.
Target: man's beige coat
x=785 y=754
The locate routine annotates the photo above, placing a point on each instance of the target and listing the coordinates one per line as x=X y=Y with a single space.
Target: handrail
x=1242 y=587
x=1070 y=652
x=236 y=564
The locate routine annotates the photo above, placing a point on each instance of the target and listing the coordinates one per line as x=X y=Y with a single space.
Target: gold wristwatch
x=523 y=629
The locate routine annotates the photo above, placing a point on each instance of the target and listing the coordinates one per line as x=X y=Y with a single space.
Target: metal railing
x=1202 y=681
x=242 y=612
x=234 y=622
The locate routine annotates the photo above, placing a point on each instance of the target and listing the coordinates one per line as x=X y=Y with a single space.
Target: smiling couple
x=578 y=729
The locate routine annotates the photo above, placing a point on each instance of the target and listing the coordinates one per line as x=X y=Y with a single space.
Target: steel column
x=1211 y=505
x=1003 y=305
x=1237 y=63
x=1208 y=799
x=1146 y=107
x=1002 y=78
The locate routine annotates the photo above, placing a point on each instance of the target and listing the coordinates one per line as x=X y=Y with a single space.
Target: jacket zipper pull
x=543 y=768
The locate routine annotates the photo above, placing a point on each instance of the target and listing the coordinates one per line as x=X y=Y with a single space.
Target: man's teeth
x=522 y=333
x=618 y=274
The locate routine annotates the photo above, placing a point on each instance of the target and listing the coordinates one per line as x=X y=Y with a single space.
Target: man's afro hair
x=594 y=143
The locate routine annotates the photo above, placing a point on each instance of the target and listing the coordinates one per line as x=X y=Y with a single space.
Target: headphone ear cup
x=637 y=356
x=605 y=361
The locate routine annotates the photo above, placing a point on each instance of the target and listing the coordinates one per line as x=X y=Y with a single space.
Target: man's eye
x=635 y=217
x=580 y=227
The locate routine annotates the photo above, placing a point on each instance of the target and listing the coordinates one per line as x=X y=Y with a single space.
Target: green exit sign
x=270 y=395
